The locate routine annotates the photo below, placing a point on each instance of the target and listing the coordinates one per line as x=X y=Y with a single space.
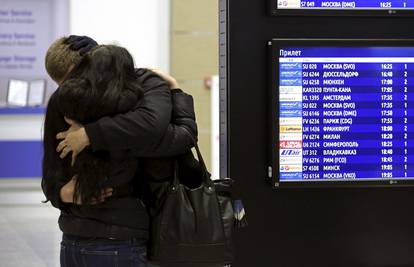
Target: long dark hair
x=103 y=84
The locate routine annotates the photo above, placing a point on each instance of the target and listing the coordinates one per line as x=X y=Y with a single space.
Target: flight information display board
x=322 y=7
x=343 y=111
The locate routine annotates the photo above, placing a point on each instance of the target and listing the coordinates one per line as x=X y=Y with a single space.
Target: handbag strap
x=201 y=160
x=206 y=178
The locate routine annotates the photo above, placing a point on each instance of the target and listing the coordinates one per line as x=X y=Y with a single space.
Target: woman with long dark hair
x=104 y=84
x=97 y=231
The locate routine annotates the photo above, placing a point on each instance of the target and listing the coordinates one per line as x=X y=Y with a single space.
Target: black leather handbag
x=193 y=226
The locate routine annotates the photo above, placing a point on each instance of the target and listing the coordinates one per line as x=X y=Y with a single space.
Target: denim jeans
x=103 y=253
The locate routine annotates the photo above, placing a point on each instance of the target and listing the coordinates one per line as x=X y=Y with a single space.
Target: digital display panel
x=36 y=93
x=345 y=111
x=373 y=7
x=362 y=4
x=17 y=93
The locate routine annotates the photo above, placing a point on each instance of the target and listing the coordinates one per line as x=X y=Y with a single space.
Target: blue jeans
x=103 y=253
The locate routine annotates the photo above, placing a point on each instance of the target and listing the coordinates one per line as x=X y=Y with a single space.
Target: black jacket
x=147 y=130
x=144 y=132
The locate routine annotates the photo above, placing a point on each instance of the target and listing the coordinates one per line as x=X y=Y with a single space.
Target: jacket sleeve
x=148 y=130
x=139 y=129
x=53 y=178
x=181 y=134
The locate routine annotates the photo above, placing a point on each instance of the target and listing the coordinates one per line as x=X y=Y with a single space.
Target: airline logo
x=290 y=74
x=290 y=97
x=290 y=105
x=291 y=153
x=290 y=113
x=290 y=65
x=290 y=90
x=290 y=160
x=290 y=176
x=290 y=81
x=289 y=3
x=282 y=3
x=291 y=168
x=290 y=121
x=290 y=137
x=290 y=129
x=290 y=144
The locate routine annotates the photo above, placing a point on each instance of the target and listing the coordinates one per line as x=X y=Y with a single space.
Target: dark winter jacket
x=159 y=126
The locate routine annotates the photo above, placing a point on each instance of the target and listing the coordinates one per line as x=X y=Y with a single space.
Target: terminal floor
x=29 y=234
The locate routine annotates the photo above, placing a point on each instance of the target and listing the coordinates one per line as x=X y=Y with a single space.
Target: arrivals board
x=322 y=7
x=343 y=111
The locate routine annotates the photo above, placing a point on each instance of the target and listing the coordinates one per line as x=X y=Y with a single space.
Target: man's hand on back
x=172 y=82
x=67 y=192
x=74 y=140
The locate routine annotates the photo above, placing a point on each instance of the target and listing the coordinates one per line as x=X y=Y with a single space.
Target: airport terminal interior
x=306 y=105
x=159 y=34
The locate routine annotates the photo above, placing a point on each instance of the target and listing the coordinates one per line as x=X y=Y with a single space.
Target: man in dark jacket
x=147 y=130
x=155 y=128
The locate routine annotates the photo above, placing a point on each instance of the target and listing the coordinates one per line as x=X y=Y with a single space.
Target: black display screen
x=343 y=111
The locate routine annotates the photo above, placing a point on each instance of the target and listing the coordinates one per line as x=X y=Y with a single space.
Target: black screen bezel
x=275 y=45
x=275 y=11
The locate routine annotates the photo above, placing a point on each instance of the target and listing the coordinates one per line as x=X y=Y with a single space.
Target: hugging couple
x=109 y=128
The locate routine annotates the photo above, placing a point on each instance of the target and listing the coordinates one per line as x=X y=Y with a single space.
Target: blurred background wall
x=194 y=57
x=166 y=34
x=142 y=26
